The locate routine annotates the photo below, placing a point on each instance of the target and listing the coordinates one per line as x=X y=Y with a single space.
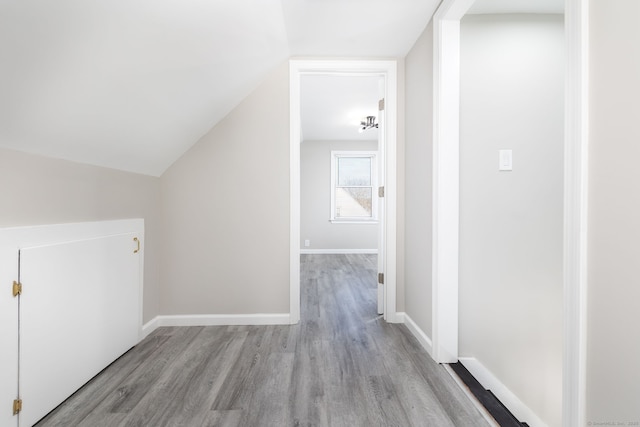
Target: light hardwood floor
x=342 y=365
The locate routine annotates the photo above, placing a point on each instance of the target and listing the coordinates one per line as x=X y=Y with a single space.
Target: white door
x=9 y=333
x=381 y=209
x=79 y=311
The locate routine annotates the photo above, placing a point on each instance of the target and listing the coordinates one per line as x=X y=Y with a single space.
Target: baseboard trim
x=337 y=251
x=490 y=382
x=417 y=332
x=148 y=328
x=224 y=319
x=215 y=320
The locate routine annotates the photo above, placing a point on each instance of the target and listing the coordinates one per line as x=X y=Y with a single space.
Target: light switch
x=506 y=160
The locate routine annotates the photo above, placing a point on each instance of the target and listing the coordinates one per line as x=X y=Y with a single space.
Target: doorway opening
x=446 y=208
x=339 y=164
x=385 y=217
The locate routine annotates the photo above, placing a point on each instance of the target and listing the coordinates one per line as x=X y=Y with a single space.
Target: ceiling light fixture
x=368 y=123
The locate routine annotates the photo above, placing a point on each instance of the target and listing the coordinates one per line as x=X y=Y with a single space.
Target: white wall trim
x=446 y=130
x=387 y=69
x=149 y=327
x=502 y=392
x=338 y=251
x=575 y=213
x=445 y=211
x=354 y=222
x=417 y=332
x=260 y=319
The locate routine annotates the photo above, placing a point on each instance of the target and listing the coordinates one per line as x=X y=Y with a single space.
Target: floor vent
x=492 y=404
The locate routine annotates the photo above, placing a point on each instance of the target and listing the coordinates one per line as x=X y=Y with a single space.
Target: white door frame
x=446 y=194
x=388 y=70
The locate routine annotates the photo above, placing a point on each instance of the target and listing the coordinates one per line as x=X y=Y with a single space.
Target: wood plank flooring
x=342 y=365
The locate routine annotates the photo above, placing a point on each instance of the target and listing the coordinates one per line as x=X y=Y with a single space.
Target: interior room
x=173 y=252
x=333 y=109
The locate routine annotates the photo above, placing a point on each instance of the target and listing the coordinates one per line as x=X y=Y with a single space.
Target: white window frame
x=335 y=155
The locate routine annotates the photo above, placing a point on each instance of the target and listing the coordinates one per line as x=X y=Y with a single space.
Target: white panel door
x=9 y=334
x=80 y=310
x=382 y=309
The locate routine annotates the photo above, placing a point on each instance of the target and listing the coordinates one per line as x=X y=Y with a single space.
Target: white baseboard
x=489 y=381
x=149 y=327
x=337 y=251
x=215 y=320
x=420 y=335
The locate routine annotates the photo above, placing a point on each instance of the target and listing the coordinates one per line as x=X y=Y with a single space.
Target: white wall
x=221 y=254
x=315 y=199
x=418 y=180
x=38 y=190
x=613 y=381
x=512 y=87
x=225 y=205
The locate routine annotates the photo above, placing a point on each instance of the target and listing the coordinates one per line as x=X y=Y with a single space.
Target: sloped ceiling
x=133 y=84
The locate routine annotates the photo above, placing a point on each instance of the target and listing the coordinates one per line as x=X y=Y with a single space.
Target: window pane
x=353 y=202
x=354 y=171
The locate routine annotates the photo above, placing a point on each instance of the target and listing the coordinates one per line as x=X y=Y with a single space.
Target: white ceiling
x=132 y=84
x=516 y=6
x=333 y=106
x=363 y=28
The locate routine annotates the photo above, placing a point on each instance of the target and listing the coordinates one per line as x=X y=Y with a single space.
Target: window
x=353 y=180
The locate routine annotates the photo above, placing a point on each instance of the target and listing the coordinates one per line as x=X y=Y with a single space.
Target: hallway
x=341 y=366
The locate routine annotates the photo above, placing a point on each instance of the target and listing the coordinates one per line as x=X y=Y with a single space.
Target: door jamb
x=446 y=190
x=388 y=70
x=576 y=156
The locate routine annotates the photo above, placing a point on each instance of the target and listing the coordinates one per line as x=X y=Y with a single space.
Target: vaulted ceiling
x=133 y=84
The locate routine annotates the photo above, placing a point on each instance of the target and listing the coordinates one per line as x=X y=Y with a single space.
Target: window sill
x=353 y=221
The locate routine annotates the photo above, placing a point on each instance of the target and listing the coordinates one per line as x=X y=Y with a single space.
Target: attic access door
x=78 y=312
x=80 y=297
x=79 y=308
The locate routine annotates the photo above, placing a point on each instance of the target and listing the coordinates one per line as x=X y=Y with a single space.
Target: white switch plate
x=506 y=160
x=307 y=243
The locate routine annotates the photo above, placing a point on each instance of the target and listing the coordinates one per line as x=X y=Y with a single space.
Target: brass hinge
x=381 y=105
x=381 y=278
x=380 y=191
x=17 y=288
x=17 y=406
